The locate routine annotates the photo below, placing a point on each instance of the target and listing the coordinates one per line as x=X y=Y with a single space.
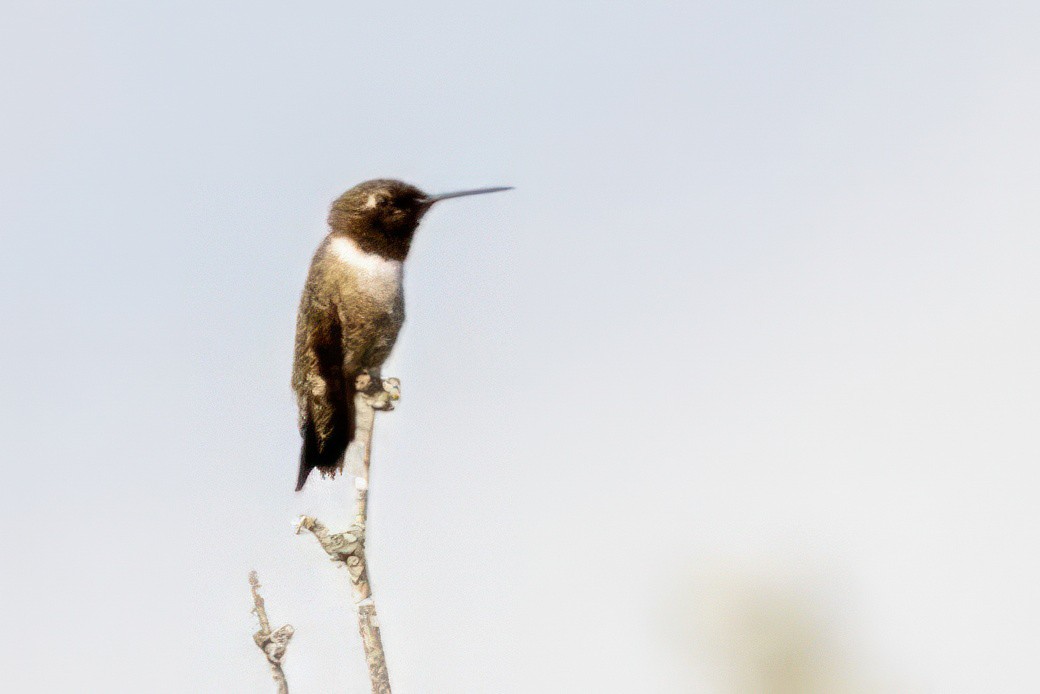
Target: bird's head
x=382 y=215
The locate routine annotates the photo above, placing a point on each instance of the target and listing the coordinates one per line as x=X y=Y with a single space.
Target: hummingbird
x=351 y=311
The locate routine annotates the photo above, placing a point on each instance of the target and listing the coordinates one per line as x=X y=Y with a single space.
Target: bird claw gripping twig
x=381 y=396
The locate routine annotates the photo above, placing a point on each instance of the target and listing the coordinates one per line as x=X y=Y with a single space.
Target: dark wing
x=325 y=397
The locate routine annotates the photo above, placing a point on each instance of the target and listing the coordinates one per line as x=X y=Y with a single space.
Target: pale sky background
x=758 y=327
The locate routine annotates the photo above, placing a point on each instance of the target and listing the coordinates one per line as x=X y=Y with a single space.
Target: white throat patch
x=377 y=276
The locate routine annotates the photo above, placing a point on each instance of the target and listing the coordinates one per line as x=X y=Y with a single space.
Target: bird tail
x=326 y=454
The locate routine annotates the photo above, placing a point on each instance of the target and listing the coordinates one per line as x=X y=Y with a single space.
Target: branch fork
x=346 y=548
x=376 y=397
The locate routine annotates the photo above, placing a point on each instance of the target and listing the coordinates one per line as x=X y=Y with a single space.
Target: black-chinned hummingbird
x=351 y=311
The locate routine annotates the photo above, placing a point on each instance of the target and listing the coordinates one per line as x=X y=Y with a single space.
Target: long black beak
x=430 y=199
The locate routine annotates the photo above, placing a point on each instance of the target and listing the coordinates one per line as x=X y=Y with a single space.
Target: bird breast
x=379 y=279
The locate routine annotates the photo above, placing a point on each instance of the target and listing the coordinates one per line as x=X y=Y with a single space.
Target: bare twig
x=273 y=644
x=348 y=547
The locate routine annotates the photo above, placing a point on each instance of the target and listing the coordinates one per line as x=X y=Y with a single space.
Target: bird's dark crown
x=380 y=216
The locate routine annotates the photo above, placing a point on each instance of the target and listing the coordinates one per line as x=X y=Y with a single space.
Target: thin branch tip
x=273 y=644
x=301 y=523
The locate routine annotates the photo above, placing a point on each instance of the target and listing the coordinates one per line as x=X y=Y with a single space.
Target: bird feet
x=378 y=392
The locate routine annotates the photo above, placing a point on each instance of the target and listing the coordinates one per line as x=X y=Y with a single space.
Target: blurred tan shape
x=764 y=630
